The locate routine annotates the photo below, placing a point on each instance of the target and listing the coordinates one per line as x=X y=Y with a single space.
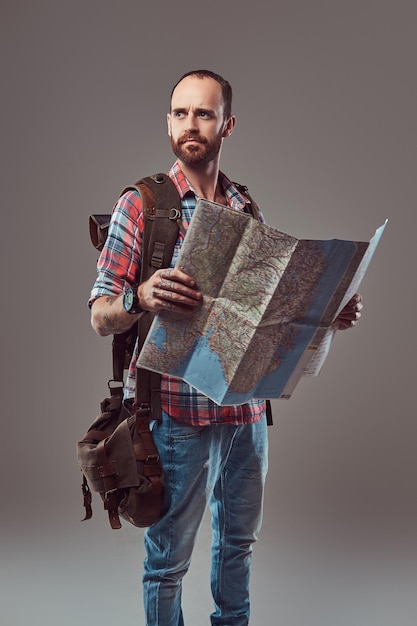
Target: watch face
x=128 y=299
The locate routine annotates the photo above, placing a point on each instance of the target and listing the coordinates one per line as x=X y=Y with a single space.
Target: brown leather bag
x=119 y=460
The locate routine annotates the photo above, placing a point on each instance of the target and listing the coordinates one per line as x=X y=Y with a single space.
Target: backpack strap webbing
x=162 y=212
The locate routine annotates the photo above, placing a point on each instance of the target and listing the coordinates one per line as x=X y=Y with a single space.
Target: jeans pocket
x=179 y=431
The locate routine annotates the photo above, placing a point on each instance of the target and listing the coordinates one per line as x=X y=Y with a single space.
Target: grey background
x=325 y=97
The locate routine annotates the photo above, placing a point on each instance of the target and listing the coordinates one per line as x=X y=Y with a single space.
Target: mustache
x=193 y=136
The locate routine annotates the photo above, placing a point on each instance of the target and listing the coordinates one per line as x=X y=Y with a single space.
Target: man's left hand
x=350 y=315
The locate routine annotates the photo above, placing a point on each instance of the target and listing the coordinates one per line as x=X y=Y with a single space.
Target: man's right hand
x=169 y=290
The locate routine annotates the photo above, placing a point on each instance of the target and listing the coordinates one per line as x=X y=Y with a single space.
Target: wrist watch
x=131 y=300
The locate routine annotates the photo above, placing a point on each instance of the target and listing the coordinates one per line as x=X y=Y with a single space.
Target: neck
x=204 y=180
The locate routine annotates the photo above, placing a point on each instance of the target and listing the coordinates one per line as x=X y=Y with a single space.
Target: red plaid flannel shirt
x=118 y=266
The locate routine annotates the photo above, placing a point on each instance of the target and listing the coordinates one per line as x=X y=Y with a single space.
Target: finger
x=177 y=275
x=173 y=300
x=172 y=285
x=188 y=298
x=348 y=321
x=354 y=305
x=349 y=316
x=356 y=300
x=169 y=284
x=351 y=313
x=166 y=284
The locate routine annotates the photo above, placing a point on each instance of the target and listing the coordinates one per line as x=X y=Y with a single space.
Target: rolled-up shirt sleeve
x=119 y=262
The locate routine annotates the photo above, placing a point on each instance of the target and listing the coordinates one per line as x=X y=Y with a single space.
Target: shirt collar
x=234 y=198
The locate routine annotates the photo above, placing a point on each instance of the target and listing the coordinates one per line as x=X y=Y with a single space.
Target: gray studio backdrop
x=325 y=97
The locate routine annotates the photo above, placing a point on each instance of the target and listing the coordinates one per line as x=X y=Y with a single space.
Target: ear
x=229 y=126
x=169 y=123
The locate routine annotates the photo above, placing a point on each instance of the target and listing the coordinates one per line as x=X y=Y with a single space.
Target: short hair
x=224 y=84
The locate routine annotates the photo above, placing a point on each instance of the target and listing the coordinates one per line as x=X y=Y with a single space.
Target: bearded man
x=212 y=455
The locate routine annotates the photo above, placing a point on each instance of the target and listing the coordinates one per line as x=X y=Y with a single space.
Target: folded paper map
x=268 y=307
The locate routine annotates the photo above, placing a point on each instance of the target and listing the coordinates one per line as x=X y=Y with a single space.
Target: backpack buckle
x=174 y=214
x=152 y=459
x=111 y=499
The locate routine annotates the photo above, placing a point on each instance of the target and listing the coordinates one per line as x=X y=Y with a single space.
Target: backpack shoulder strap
x=251 y=206
x=162 y=211
x=161 y=202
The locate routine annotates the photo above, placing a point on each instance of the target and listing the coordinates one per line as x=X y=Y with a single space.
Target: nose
x=191 y=121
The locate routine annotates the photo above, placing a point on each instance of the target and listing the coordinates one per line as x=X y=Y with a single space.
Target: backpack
x=117 y=455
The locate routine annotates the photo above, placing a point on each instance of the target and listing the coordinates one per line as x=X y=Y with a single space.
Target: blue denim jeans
x=224 y=467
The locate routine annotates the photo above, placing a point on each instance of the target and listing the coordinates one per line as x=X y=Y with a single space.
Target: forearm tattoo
x=112 y=321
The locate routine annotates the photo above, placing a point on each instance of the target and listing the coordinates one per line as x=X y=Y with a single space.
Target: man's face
x=196 y=123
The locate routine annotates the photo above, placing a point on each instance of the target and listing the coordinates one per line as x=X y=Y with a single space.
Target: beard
x=204 y=152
